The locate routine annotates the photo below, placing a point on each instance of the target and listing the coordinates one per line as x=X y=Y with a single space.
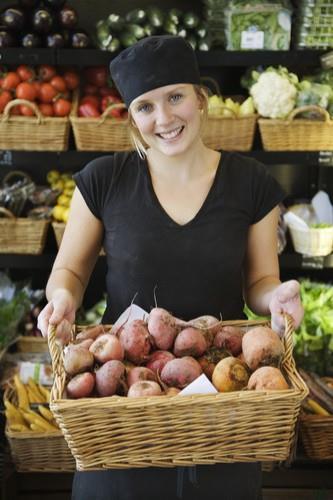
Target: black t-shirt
x=191 y=269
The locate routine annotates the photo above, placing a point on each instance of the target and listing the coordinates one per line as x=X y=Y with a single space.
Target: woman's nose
x=163 y=115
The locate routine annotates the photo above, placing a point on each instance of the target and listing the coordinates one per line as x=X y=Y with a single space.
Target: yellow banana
x=23 y=400
x=46 y=413
x=317 y=408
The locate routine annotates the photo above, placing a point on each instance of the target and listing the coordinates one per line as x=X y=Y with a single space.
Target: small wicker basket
x=21 y=235
x=316 y=434
x=29 y=343
x=38 y=451
x=297 y=135
x=166 y=431
x=314 y=242
x=33 y=133
x=100 y=134
x=231 y=133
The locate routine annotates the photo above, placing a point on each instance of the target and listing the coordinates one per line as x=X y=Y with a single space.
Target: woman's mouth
x=171 y=134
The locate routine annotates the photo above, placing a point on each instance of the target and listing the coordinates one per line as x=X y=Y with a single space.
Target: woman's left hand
x=286 y=299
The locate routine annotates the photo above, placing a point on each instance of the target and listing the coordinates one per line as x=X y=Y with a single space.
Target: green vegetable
x=190 y=20
x=174 y=15
x=320 y=225
x=116 y=23
x=155 y=16
x=135 y=30
x=136 y=16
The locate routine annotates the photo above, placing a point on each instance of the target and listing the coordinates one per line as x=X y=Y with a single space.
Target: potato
x=107 y=347
x=139 y=373
x=190 y=342
x=262 y=346
x=180 y=372
x=229 y=338
x=162 y=327
x=110 y=378
x=135 y=339
x=144 y=388
x=158 y=359
x=267 y=378
x=77 y=359
x=81 y=385
x=230 y=374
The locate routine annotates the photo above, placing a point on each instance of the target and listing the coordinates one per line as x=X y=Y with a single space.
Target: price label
x=6 y=158
x=309 y=262
x=252 y=39
x=325 y=158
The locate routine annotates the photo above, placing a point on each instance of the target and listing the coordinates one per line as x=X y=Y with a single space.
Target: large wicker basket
x=168 y=431
x=32 y=133
x=316 y=434
x=100 y=134
x=21 y=235
x=297 y=135
x=38 y=451
x=234 y=133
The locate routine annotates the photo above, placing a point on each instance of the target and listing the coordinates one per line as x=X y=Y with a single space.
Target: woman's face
x=168 y=118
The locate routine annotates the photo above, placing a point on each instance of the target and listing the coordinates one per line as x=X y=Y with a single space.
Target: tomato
x=15 y=111
x=26 y=90
x=26 y=111
x=62 y=107
x=5 y=97
x=108 y=100
x=11 y=81
x=72 y=79
x=58 y=82
x=93 y=99
x=25 y=72
x=37 y=85
x=46 y=109
x=47 y=93
x=103 y=91
x=90 y=89
x=46 y=72
x=88 y=110
x=97 y=75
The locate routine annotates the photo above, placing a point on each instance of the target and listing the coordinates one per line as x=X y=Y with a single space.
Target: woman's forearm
x=259 y=294
x=66 y=279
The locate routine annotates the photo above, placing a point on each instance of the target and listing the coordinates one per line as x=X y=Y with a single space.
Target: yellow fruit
x=68 y=192
x=63 y=200
x=65 y=215
x=57 y=212
x=58 y=185
x=52 y=176
x=70 y=184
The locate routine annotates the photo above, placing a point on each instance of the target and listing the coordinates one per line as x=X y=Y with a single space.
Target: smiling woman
x=179 y=221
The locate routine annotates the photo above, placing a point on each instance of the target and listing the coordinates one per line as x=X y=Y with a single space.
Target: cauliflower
x=274 y=95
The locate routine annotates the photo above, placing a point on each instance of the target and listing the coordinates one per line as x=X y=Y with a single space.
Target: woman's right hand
x=60 y=311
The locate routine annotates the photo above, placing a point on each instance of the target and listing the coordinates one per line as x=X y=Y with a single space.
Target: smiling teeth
x=172 y=134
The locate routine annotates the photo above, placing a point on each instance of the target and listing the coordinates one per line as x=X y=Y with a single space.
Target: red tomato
x=103 y=91
x=26 y=111
x=93 y=99
x=108 y=100
x=5 y=97
x=46 y=72
x=25 y=72
x=62 y=107
x=72 y=79
x=11 y=81
x=46 y=109
x=58 y=82
x=15 y=111
x=37 y=85
x=90 y=89
x=88 y=110
x=97 y=75
x=26 y=90
x=47 y=93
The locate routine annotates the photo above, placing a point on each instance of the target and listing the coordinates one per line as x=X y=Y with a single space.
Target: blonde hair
x=135 y=136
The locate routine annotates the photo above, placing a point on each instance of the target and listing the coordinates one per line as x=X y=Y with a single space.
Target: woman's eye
x=175 y=97
x=145 y=108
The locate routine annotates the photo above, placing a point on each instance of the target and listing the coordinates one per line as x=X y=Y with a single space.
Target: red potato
x=267 y=378
x=91 y=332
x=110 y=378
x=139 y=373
x=135 y=339
x=81 y=386
x=144 y=388
x=158 y=359
x=180 y=372
x=262 y=346
x=190 y=342
x=107 y=347
x=77 y=359
x=229 y=338
x=230 y=374
x=162 y=327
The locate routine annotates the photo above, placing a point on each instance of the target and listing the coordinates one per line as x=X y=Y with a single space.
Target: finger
x=288 y=291
x=277 y=324
x=63 y=331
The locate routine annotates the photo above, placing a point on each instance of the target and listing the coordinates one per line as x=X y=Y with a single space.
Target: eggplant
x=80 y=40
x=68 y=17
x=54 y=4
x=42 y=21
x=7 y=39
x=13 y=18
x=31 y=41
x=55 y=41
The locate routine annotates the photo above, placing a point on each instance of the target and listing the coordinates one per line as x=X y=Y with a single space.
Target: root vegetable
x=267 y=378
x=158 y=359
x=139 y=373
x=230 y=374
x=135 y=339
x=172 y=391
x=81 y=386
x=91 y=332
x=190 y=342
x=229 y=338
x=107 y=347
x=180 y=372
x=210 y=359
x=77 y=359
x=209 y=325
x=110 y=378
x=262 y=346
x=144 y=388
x=162 y=327
x=86 y=343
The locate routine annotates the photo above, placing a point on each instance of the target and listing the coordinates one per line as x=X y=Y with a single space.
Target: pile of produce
x=47 y=23
x=43 y=85
x=118 y=32
x=313 y=26
x=21 y=417
x=320 y=399
x=65 y=185
x=217 y=106
x=165 y=354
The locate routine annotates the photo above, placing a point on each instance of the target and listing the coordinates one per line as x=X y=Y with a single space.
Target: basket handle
x=57 y=358
x=17 y=102
x=15 y=173
x=321 y=111
x=213 y=82
x=105 y=113
x=6 y=213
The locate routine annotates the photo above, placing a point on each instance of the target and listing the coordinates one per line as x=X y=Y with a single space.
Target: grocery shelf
x=20 y=55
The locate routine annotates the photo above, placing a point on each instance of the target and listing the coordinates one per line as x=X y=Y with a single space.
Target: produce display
x=218 y=106
x=117 y=32
x=313 y=27
x=163 y=355
x=64 y=185
x=47 y=23
x=320 y=399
